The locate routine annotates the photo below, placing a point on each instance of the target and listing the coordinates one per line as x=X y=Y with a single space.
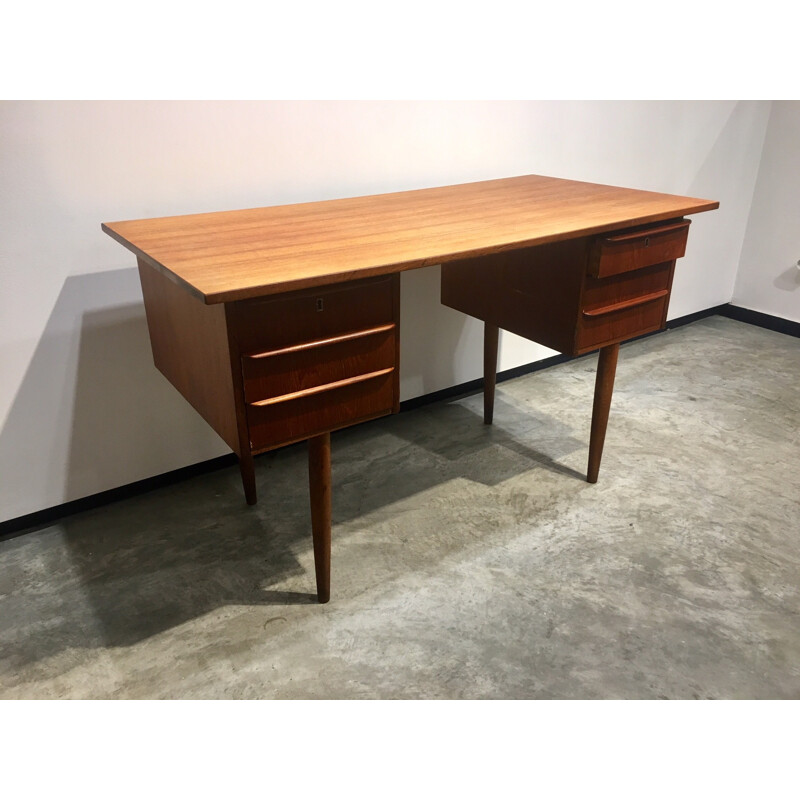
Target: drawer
x=282 y=371
x=291 y=418
x=638 y=247
x=623 y=306
x=313 y=314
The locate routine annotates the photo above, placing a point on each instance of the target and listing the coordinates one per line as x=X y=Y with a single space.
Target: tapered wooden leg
x=490 y=337
x=603 y=389
x=319 y=481
x=247 y=468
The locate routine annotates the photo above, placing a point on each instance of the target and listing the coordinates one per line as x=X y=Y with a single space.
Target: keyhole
x=319 y=304
x=647 y=241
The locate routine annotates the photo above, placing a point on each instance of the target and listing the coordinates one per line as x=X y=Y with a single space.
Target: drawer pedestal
x=269 y=372
x=575 y=296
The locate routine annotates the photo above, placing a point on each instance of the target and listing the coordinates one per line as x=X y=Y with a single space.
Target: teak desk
x=281 y=324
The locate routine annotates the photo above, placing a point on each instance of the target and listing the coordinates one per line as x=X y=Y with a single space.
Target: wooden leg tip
x=323 y=598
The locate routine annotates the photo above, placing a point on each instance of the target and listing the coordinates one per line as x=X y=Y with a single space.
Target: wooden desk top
x=234 y=255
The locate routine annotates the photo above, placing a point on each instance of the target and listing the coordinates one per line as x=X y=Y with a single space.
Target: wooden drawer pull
x=635 y=301
x=324 y=388
x=321 y=342
x=648 y=233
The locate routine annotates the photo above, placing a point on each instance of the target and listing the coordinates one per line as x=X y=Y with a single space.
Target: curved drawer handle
x=632 y=303
x=632 y=236
x=325 y=387
x=345 y=337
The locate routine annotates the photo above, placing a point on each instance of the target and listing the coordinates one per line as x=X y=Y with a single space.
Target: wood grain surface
x=235 y=255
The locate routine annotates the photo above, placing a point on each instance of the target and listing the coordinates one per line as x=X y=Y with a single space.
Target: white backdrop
x=82 y=409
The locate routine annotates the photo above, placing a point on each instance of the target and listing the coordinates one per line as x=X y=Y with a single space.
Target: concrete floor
x=468 y=561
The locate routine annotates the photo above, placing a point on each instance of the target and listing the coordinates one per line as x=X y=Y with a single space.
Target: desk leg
x=490 y=338
x=248 y=470
x=319 y=481
x=603 y=389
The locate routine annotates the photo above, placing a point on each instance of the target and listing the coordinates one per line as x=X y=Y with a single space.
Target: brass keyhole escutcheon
x=647 y=241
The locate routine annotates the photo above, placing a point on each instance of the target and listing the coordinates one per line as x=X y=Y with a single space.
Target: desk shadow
x=91 y=411
x=443 y=442
x=455 y=432
x=379 y=463
x=120 y=574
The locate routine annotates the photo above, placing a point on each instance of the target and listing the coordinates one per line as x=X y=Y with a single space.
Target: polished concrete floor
x=468 y=561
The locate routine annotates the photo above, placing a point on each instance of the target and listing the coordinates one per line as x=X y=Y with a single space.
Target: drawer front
x=317 y=360
x=289 y=370
x=332 y=406
x=313 y=314
x=637 y=248
x=623 y=306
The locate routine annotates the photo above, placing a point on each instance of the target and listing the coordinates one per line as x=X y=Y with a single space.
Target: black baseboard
x=39 y=519
x=689 y=318
x=761 y=320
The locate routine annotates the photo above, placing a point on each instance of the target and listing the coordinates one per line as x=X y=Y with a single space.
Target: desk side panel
x=190 y=348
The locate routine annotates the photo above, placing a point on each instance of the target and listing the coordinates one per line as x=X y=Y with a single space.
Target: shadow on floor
x=148 y=564
x=455 y=433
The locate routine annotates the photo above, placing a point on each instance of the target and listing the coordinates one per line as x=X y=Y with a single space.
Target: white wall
x=82 y=409
x=768 y=279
